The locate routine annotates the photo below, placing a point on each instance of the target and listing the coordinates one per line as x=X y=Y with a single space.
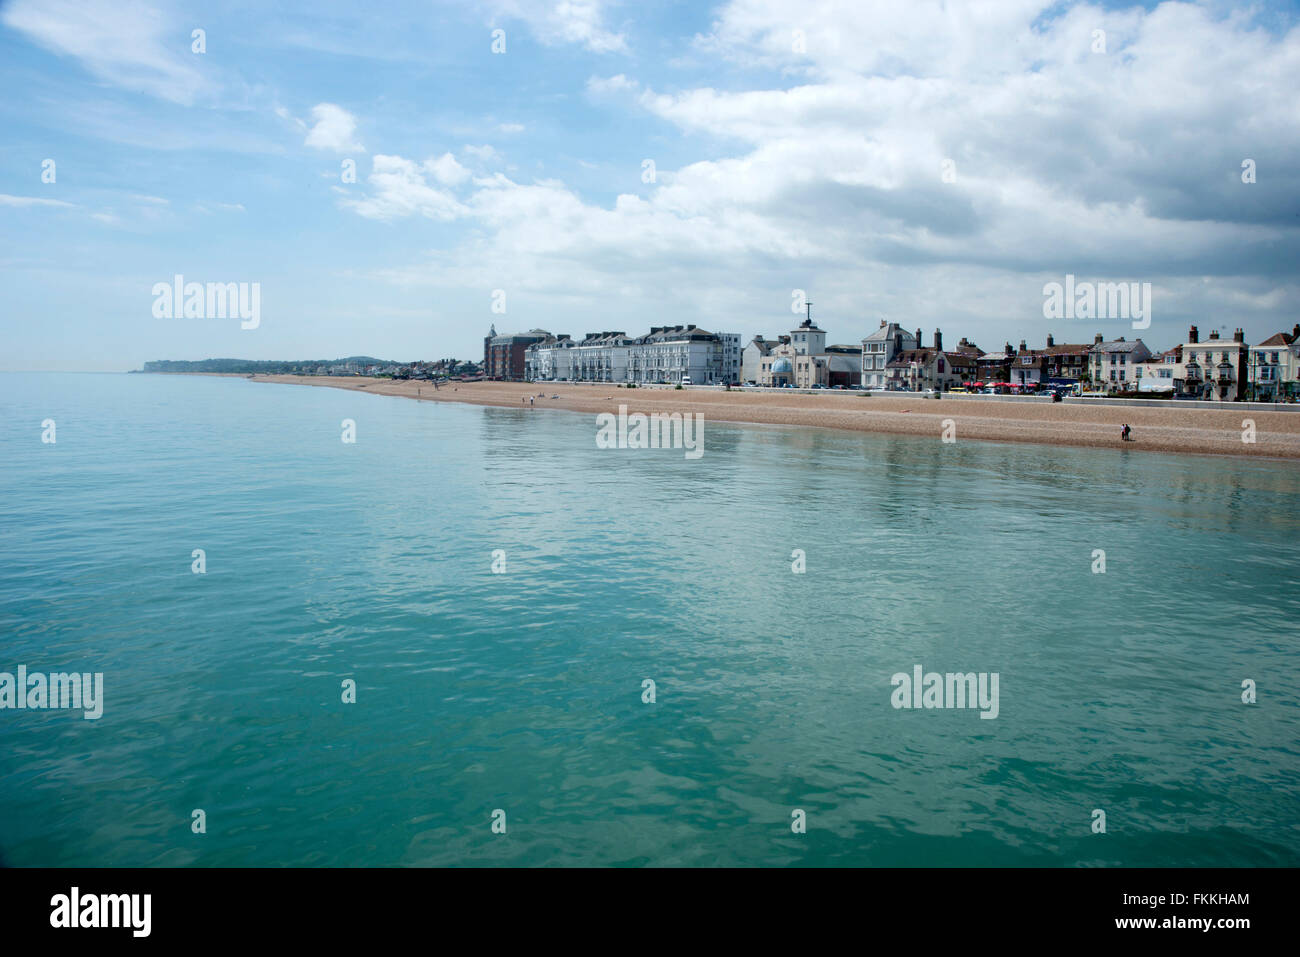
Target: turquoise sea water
x=522 y=691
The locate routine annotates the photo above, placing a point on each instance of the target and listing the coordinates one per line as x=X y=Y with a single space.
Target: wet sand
x=1155 y=429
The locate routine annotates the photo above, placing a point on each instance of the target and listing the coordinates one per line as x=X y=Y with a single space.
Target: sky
x=617 y=165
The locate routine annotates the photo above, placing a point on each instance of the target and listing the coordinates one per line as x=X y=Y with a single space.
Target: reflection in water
x=523 y=689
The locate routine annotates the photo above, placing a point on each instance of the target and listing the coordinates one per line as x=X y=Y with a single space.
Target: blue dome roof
x=782 y=365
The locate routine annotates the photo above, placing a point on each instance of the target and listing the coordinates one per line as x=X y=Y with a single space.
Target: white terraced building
x=551 y=360
x=669 y=354
x=601 y=357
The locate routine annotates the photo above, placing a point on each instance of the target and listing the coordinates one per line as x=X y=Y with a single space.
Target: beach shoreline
x=1155 y=429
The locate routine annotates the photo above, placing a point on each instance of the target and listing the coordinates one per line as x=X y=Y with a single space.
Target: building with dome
x=802 y=360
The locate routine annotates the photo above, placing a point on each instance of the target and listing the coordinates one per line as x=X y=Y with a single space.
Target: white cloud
x=446 y=170
x=484 y=154
x=333 y=128
x=1122 y=165
x=580 y=22
x=604 y=86
x=130 y=44
x=8 y=200
x=401 y=188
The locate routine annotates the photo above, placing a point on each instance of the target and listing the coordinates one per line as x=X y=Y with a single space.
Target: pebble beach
x=1155 y=429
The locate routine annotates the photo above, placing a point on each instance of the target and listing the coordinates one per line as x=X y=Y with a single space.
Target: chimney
x=1008 y=350
x=1098 y=340
x=1023 y=347
x=938 y=341
x=1050 y=341
x=1193 y=336
x=1295 y=332
x=918 y=338
x=1214 y=333
x=1239 y=336
x=882 y=323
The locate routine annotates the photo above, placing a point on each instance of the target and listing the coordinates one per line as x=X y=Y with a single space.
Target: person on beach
x=1124 y=433
x=530 y=402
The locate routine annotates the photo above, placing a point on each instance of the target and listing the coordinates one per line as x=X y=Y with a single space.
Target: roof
x=674 y=334
x=1120 y=345
x=1279 y=339
x=508 y=337
x=887 y=332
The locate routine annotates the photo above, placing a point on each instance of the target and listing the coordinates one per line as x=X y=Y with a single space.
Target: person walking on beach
x=1124 y=433
x=530 y=402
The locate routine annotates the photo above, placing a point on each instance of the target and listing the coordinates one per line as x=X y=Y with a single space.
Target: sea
x=471 y=637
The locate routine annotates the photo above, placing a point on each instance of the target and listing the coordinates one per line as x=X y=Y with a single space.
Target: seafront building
x=752 y=357
x=667 y=354
x=994 y=367
x=503 y=355
x=932 y=369
x=1215 y=370
x=1158 y=374
x=1111 y=364
x=802 y=359
x=880 y=348
x=1275 y=366
x=1060 y=364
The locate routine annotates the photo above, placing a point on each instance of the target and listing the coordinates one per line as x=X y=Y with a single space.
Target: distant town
x=355 y=365
x=891 y=359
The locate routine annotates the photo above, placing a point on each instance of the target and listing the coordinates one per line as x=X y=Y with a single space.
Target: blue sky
x=796 y=145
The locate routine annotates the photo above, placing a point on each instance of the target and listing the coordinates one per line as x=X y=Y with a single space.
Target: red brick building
x=503 y=356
